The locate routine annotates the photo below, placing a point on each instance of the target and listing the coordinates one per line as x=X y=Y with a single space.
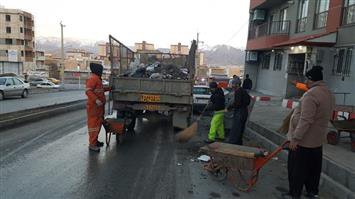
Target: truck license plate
x=151 y=107
x=150 y=98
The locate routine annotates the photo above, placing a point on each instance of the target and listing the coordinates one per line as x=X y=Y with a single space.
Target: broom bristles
x=186 y=134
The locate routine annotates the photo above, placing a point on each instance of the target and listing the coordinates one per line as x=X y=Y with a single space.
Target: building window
x=22 y=54
x=8 y=41
x=8 y=29
x=302 y=16
x=342 y=62
x=349 y=12
x=21 y=18
x=265 y=61
x=278 y=61
x=3 y=53
x=8 y=18
x=321 y=16
x=21 y=30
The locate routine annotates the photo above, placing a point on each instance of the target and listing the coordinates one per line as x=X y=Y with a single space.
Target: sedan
x=48 y=85
x=13 y=86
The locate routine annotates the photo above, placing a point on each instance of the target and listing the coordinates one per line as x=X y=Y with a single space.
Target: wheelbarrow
x=113 y=126
x=241 y=164
x=342 y=126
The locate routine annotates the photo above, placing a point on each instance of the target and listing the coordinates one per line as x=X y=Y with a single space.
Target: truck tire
x=1 y=95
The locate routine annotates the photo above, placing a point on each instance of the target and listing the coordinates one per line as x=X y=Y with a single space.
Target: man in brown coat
x=307 y=133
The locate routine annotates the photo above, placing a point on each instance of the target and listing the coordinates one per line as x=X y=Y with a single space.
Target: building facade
x=286 y=38
x=179 y=49
x=17 y=41
x=143 y=46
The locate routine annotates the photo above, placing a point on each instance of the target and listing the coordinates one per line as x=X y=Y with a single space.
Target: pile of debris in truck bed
x=159 y=71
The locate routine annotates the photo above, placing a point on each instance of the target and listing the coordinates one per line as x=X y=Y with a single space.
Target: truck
x=136 y=97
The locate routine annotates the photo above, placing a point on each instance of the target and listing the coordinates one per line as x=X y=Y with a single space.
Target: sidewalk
x=338 y=161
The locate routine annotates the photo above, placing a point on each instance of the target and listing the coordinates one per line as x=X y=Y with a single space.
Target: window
x=17 y=81
x=3 y=53
x=8 y=29
x=349 y=12
x=265 y=61
x=342 y=62
x=302 y=16
x=22 y=42
x=22 y=54
x=8 y=41
x=278 y=61
x=21 y=18
x=321 y=14
x=10 y=81
x=8 y=18
x=201 y=91
x=21 y=30
x=283 y=18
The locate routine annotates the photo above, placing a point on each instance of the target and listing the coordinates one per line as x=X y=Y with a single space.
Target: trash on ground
x=179 y=164
x=204 y=158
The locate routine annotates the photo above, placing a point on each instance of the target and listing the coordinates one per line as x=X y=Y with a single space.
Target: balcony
x=266 y=35
x=320 y=20
x=265 y=29
x=301 y=24
x=349 y=15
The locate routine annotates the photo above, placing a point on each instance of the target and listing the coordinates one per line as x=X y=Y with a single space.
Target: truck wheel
x=1 y=95
x=132 y=124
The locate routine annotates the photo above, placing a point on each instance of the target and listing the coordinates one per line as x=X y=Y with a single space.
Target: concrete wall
x=337 y=83
x=269 y=81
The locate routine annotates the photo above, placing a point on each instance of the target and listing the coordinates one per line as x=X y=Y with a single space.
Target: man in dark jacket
x=240 y=107
x=247 y=83
x=217 y=101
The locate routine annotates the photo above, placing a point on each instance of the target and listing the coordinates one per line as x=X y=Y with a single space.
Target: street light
x=62 y=52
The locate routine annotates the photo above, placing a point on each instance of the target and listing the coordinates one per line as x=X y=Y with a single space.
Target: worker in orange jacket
x=95 y=105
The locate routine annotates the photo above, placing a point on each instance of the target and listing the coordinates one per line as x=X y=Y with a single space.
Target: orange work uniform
x=95 y=113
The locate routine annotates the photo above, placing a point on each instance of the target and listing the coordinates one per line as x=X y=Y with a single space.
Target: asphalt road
x=38 y=100
x=50 y=159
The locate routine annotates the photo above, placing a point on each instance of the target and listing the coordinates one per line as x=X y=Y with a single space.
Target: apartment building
x=16 y=41
x=287 y=37
x=143 y=46
x=179 y=49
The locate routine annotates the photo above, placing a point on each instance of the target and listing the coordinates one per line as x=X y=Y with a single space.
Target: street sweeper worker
x=240 y=107
x=217 y=104
x=95 y=105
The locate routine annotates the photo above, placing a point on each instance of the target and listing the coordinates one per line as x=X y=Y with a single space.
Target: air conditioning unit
x=251 y=56
x=259 y=15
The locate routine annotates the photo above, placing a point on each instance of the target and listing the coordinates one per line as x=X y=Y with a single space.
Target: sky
x=161 y=22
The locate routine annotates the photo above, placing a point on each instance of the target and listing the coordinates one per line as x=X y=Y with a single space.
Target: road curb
x=334 y=177
x=8 y=120
x=288 y=103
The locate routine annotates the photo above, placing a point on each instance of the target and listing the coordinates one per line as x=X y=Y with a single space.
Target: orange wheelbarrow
x=241 y=164
x=113 y=126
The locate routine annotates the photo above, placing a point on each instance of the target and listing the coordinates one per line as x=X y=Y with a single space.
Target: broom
x=189 y=132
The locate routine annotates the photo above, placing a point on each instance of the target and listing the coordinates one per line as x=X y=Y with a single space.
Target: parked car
x=13 y=86
x=48 y=85
x=54 y=80
x=34 y=82
x=105 y=83
x=201 y=97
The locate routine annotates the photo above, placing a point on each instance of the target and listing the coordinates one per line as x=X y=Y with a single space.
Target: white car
x=201 y=96
x=48 y=85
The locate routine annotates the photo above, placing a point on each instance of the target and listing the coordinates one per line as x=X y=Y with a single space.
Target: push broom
x=189 y=132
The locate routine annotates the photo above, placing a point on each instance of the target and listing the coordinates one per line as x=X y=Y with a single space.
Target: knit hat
x=96 y=69
x=315 y=73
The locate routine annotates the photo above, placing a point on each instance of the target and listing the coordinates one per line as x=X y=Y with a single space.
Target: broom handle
x=203 y=111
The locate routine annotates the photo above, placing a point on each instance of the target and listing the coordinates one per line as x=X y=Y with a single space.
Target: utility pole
x=62 y=52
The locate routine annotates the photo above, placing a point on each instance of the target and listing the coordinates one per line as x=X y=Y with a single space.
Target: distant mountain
x=52 y=45
x=223 y=55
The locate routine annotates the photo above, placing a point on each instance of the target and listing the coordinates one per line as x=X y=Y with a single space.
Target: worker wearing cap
x=217 y=104
x=95 y=105
x=307 y=133
x=240 y=106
